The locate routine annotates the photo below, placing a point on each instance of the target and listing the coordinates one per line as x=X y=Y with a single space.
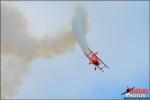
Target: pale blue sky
x=119 y=31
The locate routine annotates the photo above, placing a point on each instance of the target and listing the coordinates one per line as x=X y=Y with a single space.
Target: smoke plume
x=80 y=28
x=18 y=48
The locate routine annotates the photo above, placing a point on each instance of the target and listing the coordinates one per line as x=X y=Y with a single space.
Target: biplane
x=96 y=61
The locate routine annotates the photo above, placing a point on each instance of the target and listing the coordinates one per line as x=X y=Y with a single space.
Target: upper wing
x=91 y=51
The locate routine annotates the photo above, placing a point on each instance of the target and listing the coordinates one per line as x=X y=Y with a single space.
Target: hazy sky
x=119 y=31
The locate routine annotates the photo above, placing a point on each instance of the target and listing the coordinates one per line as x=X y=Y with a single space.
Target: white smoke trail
x=18 y=48
x=13 y=69
x=80 y=28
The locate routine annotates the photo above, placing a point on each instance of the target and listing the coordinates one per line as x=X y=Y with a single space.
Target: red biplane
x=95 y=60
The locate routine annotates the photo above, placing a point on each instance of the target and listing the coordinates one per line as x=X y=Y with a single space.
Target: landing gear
x=95 y=68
